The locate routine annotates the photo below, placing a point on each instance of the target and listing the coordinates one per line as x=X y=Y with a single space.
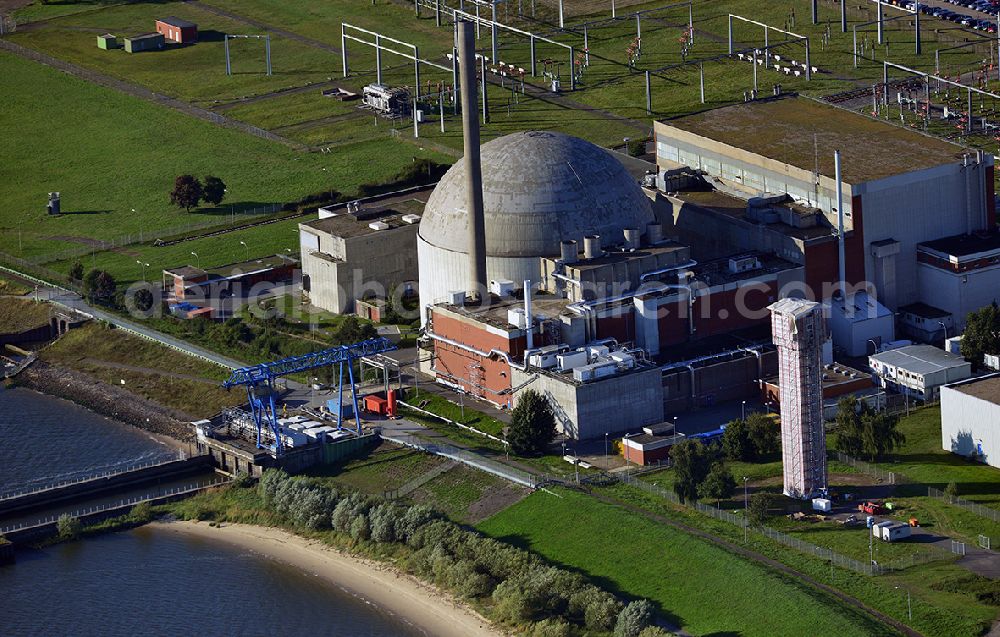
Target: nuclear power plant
x=627 y=292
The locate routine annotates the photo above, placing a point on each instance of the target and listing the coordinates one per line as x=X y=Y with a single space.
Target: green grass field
x=385 y=468
x=702 y=587
x=19 y=315
x=123 y=154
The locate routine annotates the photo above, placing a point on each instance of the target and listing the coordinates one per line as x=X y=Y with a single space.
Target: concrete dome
x=539 y=188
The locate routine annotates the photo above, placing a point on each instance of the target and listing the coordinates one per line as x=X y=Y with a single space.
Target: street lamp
x=945 y=328
x=244 y=244
x=746 y=510
x=576 y=462
x=144 y=266
x=197 y=257
x=874 y=345
x=607 y=464
x=743 y=410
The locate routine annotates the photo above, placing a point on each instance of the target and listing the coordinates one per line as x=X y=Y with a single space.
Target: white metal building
x=860 y=325
x=970 y=419
x=918 y=370
x=798 y=328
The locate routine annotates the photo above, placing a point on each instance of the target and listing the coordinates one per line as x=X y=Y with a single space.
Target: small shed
x=177 y=30
x=144 y=42
x=107 y=42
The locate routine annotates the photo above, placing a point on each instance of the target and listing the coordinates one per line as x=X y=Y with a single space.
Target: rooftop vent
x=411 y=218
x=378 y=225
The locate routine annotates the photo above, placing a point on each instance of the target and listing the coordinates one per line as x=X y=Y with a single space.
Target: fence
x=100 y=245
x=983 y=541
x=866 y=467
x=972 y=507
x=148 y=497
x=778 y=536
x=467 y=457
x=7 y=495
x=958 y=548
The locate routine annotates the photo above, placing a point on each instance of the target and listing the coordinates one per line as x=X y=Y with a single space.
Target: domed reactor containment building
x=539 y=190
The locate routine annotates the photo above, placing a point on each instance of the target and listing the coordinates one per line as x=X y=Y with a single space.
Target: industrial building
x=970 y=419
x=107 y=42
x=959 y=275
x=144 y=42
x=360 y=252
x=799 y=331
x=177 y=30
x=760 y=176
x=198 y=292
x=918 y=371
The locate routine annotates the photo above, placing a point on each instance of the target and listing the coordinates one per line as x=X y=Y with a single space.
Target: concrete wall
x=958 y=293
x=106 y=486
x=723 y=381
x=969 y=426
x=922 y=206
x=617 y=404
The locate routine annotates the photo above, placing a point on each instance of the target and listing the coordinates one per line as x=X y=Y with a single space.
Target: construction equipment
x=259 y=381
x=871 y=508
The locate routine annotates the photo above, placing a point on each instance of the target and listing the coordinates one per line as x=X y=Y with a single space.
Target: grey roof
x=985 y=388
x=539 y=188
x=793 y=306
x=860 y=307
x=919 y=359
x=180 y=23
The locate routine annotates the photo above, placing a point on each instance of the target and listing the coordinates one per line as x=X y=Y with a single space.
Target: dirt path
x=143 y=93
x=767 y=561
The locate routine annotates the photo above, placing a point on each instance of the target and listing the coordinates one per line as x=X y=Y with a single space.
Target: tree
x=736 y=444
x=982 y=334
x=848 y=427
x=719 y=483
x=532 y=424
x=213 y=190
x=187 y=192
x=143 y=299
x=864 y=432
x=763 y=434
x=99 y=285
x=634 y=618
x=692 y=463
x=757 y=509
x=76 y=271
x=952 y=489
x=351 y=330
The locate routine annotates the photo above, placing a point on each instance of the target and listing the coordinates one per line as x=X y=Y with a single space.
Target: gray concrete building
x=970 y=419
x=959 y=275
x=358 y=253
x=770 y=167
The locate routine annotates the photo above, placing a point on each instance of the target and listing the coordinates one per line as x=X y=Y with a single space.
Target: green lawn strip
x=12 y=288
x=172 y=70
x=934 y=612
x=291 y=109
x=700 y=586
x=117 y=157
x=85 y=349
x=467 y=416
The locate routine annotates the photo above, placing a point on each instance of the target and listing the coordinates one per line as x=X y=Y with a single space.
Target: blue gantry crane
x=259 y=382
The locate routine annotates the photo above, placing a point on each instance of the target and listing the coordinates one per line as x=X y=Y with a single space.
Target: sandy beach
x=423 y=606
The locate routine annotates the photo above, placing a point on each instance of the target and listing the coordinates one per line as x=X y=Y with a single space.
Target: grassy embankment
x=12 y=288
x=702 y=587
x=150 y=370
x=20 y=315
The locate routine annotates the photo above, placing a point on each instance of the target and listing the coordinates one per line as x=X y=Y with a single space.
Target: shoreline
x=403 y=596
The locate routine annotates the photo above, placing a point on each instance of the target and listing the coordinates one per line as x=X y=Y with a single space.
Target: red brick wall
x=460 y=366
x=823 y=259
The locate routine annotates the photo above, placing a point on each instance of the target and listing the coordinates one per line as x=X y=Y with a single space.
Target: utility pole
x=746 y=510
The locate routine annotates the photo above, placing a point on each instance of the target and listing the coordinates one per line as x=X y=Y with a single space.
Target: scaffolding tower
x=798 y=329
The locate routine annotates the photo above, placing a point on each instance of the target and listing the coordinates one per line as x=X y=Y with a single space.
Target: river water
x=147 y=581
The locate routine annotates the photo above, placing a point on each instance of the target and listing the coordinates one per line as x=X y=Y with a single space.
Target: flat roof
x=347 y=225
x=177 y=22
x=923 y=310
x=495 y=313
x=789 y=129
x=963 y=245
x=736 y=207
x=144 y=36
x=610 y=257
x=919 y=359
x=986 y=388
x=864 y=307
x=253 y=265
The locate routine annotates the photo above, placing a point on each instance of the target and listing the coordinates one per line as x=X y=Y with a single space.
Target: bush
x=636 y=147
x=242 y=480
x=598 y=609
x=952 y=489
x=69 y=527
x=360 y=528
x=634 y=618
x=142 y=512
x=552 y=627
x=270 y=480
x=654 y=631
